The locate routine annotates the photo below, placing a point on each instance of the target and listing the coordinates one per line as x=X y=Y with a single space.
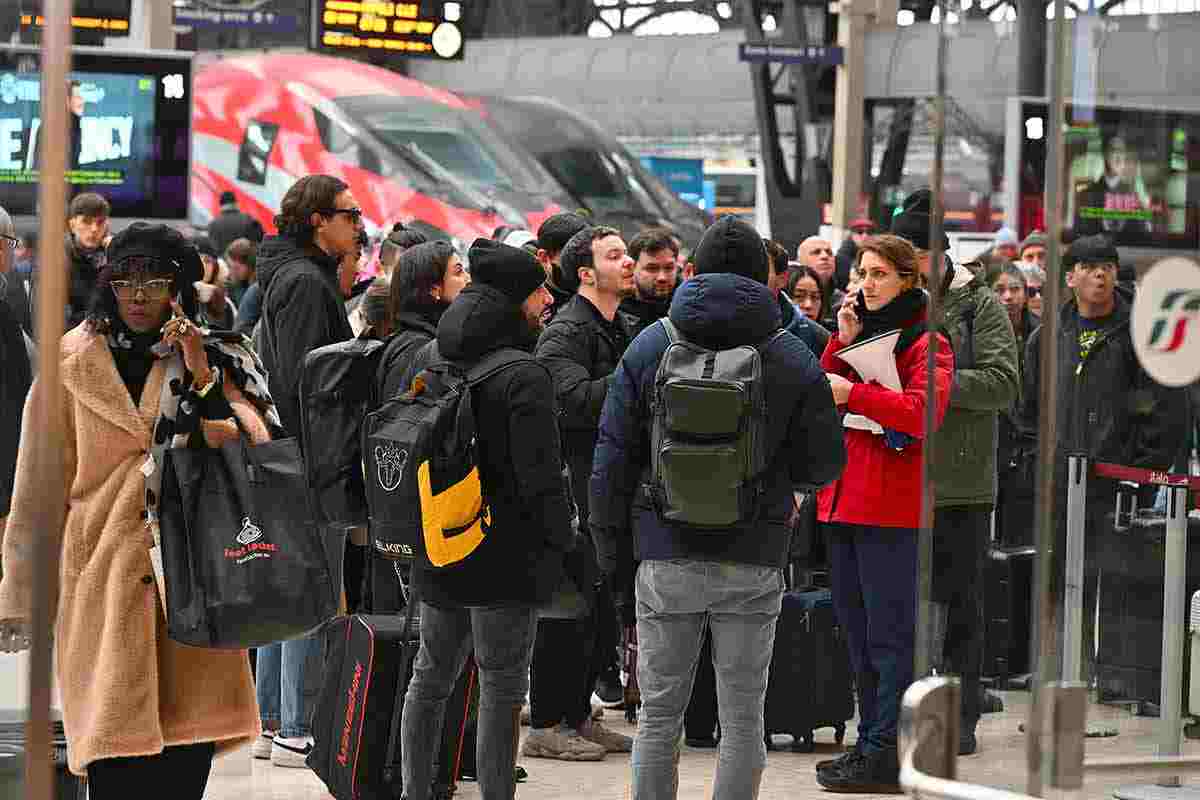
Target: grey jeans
x=676 y=601
x=503 y=643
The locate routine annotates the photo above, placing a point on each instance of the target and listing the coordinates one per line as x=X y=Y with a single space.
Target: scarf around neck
x=906 y=312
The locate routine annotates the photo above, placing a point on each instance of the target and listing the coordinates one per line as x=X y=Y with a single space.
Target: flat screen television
x=129 y=130
x=1132 y=173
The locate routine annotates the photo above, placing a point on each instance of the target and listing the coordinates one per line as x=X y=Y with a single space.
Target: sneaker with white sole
x=561 y=743
x=261 y=747
x=291 y=752
x=612 y=742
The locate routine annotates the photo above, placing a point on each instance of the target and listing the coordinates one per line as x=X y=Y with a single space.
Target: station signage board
x=403 y=29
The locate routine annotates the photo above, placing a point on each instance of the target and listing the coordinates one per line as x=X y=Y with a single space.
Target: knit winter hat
x=512 y=270
x=911 y=220
x=1097 y=249
x=732 y=245
x=1035 y=239
x=162 y=243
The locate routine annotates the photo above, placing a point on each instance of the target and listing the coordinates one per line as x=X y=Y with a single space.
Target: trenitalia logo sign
x=1171 y=329
x=1166 y=322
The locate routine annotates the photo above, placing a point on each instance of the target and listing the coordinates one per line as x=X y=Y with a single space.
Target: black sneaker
x=839 y=762
x=967 y=743
x=703 y=742
x=872 y=773
x=609 y=688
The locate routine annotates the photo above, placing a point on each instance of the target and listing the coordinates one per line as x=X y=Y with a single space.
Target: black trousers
x=961 y=537
x=700 y=719
x=180 y=772
x=562 y=673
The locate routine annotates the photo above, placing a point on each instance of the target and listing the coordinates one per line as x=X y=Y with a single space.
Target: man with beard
x=655 y=252
x=87 y=218
x=490 y=600
x=581 y=347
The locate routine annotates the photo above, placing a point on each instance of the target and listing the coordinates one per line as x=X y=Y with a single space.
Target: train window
x=255 y=152
x=342 y=143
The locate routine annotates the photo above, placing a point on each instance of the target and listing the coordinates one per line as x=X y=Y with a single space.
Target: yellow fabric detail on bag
x=454 y=508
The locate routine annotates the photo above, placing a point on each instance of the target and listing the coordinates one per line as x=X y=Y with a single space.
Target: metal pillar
x=1031 y=48
x=1072 y=622
x=1170 y=722
x=848 y=113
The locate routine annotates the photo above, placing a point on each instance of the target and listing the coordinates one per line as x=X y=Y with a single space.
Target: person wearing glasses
x=139 y=377
x=319 y=225
x=1035 y=279
x=17 y=372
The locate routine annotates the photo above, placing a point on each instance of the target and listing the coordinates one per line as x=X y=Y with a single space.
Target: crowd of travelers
x=611 y=511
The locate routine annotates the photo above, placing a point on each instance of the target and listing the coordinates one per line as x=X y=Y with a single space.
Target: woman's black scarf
x=134 y=355
x=898 y=314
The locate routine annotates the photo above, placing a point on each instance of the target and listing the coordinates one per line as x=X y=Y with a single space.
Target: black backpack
x=337 y=389
x=427 y=501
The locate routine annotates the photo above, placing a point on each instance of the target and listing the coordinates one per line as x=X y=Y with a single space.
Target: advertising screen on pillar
x=127 y=134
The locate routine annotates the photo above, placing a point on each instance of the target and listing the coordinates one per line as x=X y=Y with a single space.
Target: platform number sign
x=173 y=86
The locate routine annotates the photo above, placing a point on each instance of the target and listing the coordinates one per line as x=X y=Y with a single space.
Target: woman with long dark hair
x=142 y=714
x=873 y=511
x=804 y=287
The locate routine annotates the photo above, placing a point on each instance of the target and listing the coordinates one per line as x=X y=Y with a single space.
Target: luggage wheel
x=804 y=743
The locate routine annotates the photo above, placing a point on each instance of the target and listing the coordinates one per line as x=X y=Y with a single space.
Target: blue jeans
x=676 y=602
x=281 y=674
x=874 y=580
x=503 y=642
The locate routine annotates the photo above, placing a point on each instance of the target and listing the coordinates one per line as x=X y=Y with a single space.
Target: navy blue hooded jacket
x=805 y=449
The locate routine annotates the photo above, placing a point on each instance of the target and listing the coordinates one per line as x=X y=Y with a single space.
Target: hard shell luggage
x=809 y=685
x=456 y=754
x=12 y=761
x=356 y=723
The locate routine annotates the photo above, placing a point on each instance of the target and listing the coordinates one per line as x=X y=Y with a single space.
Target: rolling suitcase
x=456 y=755
x=809 y=685
x=356 y=723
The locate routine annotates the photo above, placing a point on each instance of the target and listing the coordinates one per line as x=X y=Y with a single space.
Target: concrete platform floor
x=789 y=776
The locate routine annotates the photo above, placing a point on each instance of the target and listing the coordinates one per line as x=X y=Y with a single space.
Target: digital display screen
x=420 y=29
x=1133 y=174
x=110 y=16
x=128 y=134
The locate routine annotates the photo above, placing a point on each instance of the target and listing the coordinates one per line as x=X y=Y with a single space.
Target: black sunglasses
x=355 y=214
x=1033 y=291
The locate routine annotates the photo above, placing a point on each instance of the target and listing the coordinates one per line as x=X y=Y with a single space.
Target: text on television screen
x=421 y=29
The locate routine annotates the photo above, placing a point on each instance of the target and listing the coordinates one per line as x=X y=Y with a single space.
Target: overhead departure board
x=108 y=16
x=427 y=29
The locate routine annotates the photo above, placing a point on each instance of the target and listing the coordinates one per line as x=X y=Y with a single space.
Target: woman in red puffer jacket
x=873 y=511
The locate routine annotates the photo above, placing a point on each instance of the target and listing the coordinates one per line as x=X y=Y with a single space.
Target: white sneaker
x=260 y=748
x=291 y=752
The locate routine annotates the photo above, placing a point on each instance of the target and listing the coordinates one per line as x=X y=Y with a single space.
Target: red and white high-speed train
x=408 y=151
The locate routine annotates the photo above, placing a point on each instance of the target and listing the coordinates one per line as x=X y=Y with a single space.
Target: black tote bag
x=244 y=563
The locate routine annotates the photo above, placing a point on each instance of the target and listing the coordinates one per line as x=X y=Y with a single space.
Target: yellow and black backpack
x=425 y=497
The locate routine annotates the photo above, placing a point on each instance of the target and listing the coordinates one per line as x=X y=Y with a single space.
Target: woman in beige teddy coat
x=141 y=712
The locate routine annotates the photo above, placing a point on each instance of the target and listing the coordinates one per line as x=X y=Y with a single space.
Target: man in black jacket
x=729 y=580
x=1108 y=407
x=232 y=224
x=553 y=235
x=491 y=599
x=16 y=375
x=319 y=223
x=87 y=219
x=655 y=252
x=580 y=347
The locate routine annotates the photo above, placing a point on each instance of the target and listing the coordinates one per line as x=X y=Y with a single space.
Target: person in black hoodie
x=655 y=252
x=491 y=599
x=233 y=224
x=319 y=223
x=580 y=347
x=729 y=581
x=16 y=376
x=553 y=235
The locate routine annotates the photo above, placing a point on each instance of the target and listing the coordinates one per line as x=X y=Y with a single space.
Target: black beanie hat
x=512 y=270
x=911 y=220
x=732 y=245
x=1097 y=249
x=162 y=243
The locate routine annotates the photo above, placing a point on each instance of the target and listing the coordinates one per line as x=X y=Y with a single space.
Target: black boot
x=873 y=773
x=968 y=745
x=835 y=764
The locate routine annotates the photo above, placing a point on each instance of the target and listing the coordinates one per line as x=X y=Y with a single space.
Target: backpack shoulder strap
x=495 y=362
x=673 y=334
x=762 y=346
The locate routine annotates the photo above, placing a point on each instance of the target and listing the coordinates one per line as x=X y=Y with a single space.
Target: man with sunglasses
x=319 y=225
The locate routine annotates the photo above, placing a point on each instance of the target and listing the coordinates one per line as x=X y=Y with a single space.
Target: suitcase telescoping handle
x=391 y=769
